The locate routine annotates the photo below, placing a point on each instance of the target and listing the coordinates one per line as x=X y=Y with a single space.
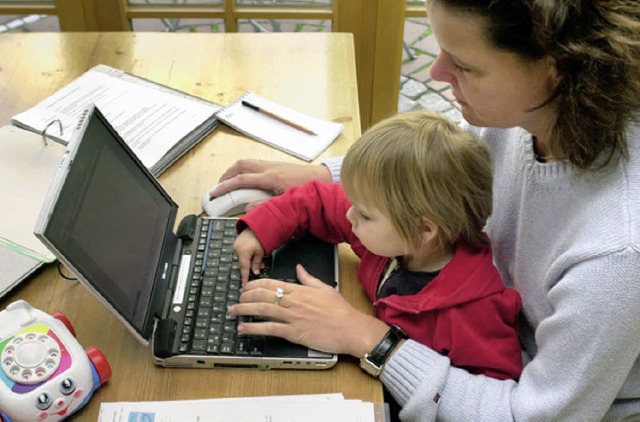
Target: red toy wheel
x=100 y=363
x=63 y=318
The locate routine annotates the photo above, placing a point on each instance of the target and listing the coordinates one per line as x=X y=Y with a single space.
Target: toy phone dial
x=45 y=375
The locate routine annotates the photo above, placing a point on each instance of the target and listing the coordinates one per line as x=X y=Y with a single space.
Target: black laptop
x=109 y=221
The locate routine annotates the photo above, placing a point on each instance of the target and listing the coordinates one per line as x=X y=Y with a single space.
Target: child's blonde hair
x=420 y=165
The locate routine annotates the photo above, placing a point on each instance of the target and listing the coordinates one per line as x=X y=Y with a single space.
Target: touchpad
x=316 y=256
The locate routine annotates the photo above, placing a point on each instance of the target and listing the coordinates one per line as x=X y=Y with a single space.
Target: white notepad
x=287 y=138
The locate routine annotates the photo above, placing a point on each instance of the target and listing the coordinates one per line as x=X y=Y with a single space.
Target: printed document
x=297 y=408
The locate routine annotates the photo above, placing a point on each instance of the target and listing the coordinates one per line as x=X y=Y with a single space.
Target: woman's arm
x=587 y=348
x=271 y=176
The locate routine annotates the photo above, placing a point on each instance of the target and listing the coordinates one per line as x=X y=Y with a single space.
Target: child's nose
x=350 y=216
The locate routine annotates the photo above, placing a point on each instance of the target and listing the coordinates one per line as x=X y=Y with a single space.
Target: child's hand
x=250 y=254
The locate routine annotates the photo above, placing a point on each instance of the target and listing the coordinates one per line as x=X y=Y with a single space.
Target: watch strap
x=373 y=361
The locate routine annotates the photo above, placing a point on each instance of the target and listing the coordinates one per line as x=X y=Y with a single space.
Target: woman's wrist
x=374 y=361
x=322 y=173
x=373 y=334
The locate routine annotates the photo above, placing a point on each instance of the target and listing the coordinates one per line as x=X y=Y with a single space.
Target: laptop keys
x=214 y=287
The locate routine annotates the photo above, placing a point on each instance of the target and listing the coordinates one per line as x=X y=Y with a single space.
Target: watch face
x=370 y=367
x=373 y=362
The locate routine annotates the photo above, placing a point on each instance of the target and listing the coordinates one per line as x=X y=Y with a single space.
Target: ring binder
x=158 y=122
x=44 y=131
x=26 y=169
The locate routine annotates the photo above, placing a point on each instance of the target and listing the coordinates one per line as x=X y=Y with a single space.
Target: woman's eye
x=460 y=68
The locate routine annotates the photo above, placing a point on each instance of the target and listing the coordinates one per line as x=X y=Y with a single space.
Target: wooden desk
x=314 y=73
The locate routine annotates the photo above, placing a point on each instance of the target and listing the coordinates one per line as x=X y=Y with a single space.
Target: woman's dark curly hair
x=596 y=46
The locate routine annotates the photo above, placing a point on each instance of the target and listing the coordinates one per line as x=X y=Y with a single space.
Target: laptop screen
x=110 y=221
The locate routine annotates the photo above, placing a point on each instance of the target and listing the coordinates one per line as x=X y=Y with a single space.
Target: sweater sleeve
x=586 y=349
x=334 y=164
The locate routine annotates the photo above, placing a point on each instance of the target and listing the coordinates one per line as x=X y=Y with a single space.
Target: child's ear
x=429 y=231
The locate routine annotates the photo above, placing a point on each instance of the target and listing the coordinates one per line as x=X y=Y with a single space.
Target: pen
x=278 y=118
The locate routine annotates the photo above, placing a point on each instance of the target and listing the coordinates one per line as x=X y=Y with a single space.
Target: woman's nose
x=440 y=70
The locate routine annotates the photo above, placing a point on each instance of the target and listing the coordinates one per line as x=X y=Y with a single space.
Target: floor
x=417 y=91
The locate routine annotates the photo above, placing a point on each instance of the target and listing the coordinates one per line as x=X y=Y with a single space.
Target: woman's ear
x=555 y=76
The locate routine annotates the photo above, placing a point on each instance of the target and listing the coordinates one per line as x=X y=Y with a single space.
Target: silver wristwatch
x=373 y=362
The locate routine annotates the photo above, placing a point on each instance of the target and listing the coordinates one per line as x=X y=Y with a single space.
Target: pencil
x=278 y=118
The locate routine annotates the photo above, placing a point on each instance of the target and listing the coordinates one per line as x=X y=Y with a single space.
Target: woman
x=554 y=88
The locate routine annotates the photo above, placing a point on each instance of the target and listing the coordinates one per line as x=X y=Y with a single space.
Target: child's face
x=375 y=231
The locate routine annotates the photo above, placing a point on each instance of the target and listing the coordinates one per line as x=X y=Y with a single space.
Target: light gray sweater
x=569 y=242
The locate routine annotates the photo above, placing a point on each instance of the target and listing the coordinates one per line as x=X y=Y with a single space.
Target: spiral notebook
x=279 y=126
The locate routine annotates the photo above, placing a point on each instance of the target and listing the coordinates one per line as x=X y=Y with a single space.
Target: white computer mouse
x=232 y=203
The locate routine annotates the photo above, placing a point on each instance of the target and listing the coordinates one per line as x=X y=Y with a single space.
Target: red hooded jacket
x=466 y=312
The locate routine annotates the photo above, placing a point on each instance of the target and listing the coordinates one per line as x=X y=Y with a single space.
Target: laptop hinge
x=187 y=228
x=163 y=338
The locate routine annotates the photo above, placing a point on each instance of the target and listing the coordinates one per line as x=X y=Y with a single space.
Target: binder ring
x=44 y=131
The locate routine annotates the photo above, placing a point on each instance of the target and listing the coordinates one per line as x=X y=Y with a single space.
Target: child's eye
x=364 y=216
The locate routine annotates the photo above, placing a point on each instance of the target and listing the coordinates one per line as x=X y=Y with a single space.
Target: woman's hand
x=250 y=254
x=312 y=314
x=272 y=176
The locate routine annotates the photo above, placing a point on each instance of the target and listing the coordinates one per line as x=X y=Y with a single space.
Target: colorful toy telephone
x=45 y=375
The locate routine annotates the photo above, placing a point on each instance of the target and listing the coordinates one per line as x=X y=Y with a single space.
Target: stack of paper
x=299 y=408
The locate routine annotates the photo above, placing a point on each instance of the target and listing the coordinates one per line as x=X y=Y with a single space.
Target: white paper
x=277 y=134
x=302 y=408
x=27 y=166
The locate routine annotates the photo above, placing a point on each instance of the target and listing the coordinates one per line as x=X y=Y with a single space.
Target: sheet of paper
x=14 y=268
x=27 y=166
x=151 y=121
x=304 y=408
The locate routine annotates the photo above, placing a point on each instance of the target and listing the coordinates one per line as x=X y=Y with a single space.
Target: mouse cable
x=66 y=277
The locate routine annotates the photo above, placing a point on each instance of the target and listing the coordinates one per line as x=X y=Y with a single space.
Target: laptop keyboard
x=214 y=286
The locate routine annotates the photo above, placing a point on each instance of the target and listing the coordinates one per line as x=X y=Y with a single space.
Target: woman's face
x=493 y=87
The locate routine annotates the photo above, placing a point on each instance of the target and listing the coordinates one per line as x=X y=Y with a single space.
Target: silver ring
x=279 y=295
